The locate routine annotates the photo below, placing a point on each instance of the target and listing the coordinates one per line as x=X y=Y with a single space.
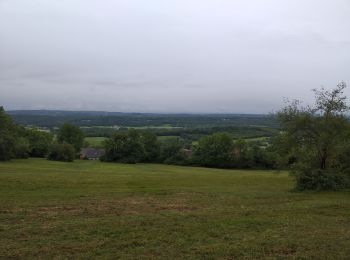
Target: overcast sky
x=213 y=56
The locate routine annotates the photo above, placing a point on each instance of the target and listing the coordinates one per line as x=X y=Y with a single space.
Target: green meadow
x=95 y=141
x=88 y=210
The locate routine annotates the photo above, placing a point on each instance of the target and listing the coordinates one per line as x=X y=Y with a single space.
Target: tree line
x=20 y=142
x=130 y=146
x=217 y=150
x=313 y=144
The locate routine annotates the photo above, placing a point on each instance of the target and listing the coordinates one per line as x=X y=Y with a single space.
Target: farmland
x=188 y=127
x=91 y=209
x=95 y=141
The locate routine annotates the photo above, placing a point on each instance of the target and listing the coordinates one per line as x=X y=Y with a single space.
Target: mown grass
x=98 y=210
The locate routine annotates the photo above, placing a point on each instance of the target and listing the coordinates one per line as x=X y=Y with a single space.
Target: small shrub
x=317 y=179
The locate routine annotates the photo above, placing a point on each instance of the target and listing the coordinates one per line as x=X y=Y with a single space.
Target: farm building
x=91 y=153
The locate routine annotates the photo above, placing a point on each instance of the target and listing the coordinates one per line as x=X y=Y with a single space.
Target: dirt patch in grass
x=282 y=251
x=133 y=205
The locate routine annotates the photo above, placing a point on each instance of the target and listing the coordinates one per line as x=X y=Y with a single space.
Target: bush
x=314 y=136
x=71 y=134
x=318 y=179
x=61 y=152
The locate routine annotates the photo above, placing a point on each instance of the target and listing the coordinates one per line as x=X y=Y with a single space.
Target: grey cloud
x=170 y=56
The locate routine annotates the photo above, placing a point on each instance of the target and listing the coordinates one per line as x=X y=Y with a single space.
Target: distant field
x=88 y=210
x=168 y=137
x=253 y=139
x=257 y=139
x=95 y=141
x=156 y=127
x=98 y=141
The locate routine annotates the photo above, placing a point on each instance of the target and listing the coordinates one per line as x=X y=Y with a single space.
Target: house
x=91 y=153
x=187 y=152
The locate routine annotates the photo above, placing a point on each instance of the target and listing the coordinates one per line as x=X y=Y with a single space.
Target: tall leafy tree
x=215 y=150
x=8 y=136
x=151 y=146
x=315 y=136
x=171 y=152
x=61 y=152
x=124 y=147
x=39 y=142
x=71 y=134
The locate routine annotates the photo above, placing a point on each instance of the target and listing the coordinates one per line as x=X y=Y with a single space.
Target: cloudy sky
x=170 y=55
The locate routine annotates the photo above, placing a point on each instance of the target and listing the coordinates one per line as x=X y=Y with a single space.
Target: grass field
x=95 y=141
x=97 y=210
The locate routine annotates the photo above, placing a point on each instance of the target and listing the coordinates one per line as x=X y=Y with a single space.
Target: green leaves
x=71 y=134
x=315 y=135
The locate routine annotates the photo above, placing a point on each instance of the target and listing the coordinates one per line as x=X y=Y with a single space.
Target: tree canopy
x=315 y=136
x=8 y=135
x=71 y=134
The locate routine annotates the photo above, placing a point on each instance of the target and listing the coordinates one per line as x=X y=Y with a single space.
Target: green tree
x=124 y=147
x=215 y=150
x=8 y=132
x=171 y=152
x=22 y=149
x=39 y=142
x=61 y=152
x=316 y=136
x=151 y=146
x=71 y=134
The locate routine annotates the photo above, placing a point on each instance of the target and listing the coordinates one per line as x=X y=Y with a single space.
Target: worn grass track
x=99 y=210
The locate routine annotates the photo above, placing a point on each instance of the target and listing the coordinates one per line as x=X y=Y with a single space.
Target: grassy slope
x=90 y=209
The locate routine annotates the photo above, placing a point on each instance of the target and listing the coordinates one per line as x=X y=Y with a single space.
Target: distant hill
x=54 y=118
x=63 y=113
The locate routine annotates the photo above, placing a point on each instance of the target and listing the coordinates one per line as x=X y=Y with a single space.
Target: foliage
x=39 y=142
x=221 y=151
x=171 y=152
x=320 y=179
x=22 y=148
x=61 y=152
x=7 y=146
x=215 y=151
x=135 y=146
x=71 y=134
x=132 y=146
x=254 y=156
x=315 y=136
x=151 y=146
x=8 y=135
